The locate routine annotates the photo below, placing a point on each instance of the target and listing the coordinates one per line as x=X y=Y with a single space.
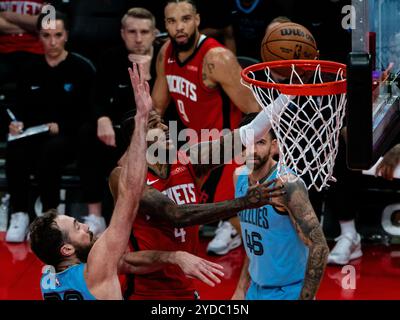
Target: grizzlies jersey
x=69 y=284
x=277 y=256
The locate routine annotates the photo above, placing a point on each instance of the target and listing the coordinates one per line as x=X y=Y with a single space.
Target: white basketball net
x=307 y=129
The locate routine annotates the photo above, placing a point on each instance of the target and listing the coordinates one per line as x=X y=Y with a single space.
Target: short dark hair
x=192 y=2
x=46 y=238
x=249 y=118
x=59 y=16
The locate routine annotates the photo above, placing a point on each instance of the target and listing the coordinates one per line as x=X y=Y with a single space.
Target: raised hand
x=262 y=194
x=141 y=89
x=196 y=267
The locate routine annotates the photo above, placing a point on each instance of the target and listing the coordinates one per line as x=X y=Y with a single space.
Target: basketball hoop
x=308 y=127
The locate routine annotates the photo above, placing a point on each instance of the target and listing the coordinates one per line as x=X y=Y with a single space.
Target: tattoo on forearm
x=210 y=67
x=309 y=229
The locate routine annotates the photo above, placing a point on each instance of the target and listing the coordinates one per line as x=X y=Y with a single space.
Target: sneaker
x=347 y=248
x=96 y=224
x=226 y=238
x=18 y=227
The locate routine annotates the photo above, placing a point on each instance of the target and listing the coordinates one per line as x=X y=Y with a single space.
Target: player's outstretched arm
x=106 y=253
x=156 y=204
x=148 y=261
x=160 y=94
x=304 y=219
x=227 y=147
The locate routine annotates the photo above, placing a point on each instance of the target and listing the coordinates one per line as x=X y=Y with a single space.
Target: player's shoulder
x=220 y=56
x=239 y=171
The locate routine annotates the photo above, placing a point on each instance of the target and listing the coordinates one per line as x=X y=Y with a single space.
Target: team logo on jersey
x=182 y=86
x=149 y=183
x=68 y=87
x=192 y=68
x=181 y=194
x=170 y=61
x=178 y=170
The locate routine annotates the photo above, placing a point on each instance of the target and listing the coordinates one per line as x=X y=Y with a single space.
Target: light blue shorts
x=289 y=292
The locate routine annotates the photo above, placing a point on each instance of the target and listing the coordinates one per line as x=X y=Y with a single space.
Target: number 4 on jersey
x=180 y=233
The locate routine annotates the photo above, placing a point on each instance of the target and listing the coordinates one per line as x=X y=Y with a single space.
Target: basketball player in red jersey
x=169 y=209
x=203 y=79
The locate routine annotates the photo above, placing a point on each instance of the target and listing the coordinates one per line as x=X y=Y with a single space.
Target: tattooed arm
x=156 y=204
x=303 y=217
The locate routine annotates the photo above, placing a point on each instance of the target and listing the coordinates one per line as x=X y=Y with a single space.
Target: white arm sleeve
x=261 y=124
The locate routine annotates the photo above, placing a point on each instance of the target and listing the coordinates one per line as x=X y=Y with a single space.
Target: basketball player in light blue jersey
x=285 y=246
x=86 y=267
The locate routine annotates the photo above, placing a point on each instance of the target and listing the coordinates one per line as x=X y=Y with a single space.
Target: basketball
x=288 y=41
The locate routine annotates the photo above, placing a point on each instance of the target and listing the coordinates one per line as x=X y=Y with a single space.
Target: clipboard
x=31 y=131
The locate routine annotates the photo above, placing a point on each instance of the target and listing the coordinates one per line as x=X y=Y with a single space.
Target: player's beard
x=261 y=161
x=183 y=47
x=82 y=251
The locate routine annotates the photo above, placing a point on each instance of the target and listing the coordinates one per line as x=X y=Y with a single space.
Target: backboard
x=373 y=94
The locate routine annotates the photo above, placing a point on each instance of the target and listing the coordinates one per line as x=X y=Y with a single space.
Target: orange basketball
x=288 y=41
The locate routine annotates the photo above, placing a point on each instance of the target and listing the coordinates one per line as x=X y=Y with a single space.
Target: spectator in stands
x=55 y=91
x=344 y=200
x=216 y=21
x=19 y=43
x=113 y=99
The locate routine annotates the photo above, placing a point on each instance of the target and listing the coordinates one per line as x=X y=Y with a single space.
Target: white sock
x=348 y=227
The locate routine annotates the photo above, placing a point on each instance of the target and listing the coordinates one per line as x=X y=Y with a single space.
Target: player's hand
x=262 y=194
x=141 y=89
x=389 y=163
x=53 y=128
x=196 y=267
x=15 y=127
x=105 y=131
x=145 y=61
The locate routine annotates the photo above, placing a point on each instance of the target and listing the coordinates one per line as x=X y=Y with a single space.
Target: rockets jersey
x=152 y=233
x=198 y=107
x=277 y=255
x=27 y=42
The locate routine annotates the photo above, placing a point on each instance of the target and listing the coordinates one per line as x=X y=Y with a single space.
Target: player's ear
x=317 y=56
x=197 y=19
x=67 y=250
x=274 y=146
